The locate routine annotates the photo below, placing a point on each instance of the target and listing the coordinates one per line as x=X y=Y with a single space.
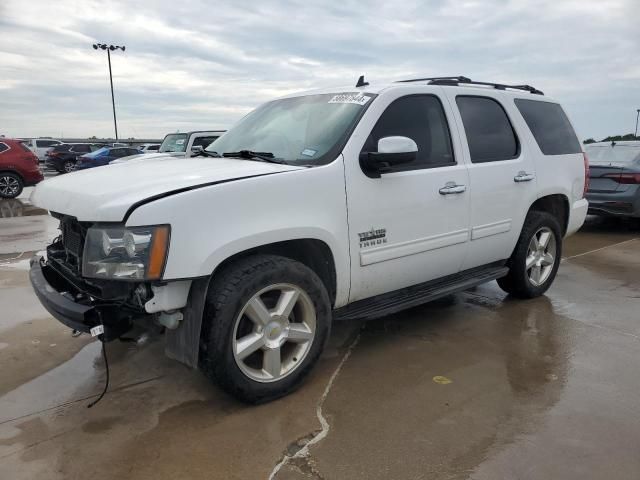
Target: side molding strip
x=412 y=247
x=489 y=229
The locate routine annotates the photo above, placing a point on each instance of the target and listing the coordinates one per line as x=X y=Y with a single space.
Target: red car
x=18 y=168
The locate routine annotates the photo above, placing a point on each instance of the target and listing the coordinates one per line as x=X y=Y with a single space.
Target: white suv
x=40 y=146
x=333 y=204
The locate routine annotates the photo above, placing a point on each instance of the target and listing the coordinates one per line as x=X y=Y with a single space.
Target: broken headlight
x=125 y=253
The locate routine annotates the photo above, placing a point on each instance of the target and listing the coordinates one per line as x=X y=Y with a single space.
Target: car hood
x=105 y=194
x=147 y=156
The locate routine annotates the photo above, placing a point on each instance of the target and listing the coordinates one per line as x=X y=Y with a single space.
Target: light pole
x=109 y=49
x=637 y=114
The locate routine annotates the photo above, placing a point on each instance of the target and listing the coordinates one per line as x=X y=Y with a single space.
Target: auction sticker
x=355 y=98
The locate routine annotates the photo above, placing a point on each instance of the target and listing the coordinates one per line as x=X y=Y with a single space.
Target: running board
x=393 y=302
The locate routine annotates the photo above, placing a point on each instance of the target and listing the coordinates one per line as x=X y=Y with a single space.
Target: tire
x=233 y=327
x=68 y=166
x=523 y=282
x=11 y=185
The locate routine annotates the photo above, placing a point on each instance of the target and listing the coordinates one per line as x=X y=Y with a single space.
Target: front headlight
x=120 y=253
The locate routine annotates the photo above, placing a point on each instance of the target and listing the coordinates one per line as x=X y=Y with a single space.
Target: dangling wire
x=106 y=383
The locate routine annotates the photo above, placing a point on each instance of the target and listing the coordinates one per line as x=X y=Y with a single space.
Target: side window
x=81 y=148
x=153 y=147
x=132 y=151
x=550 y=127
x=3 y=147
x=203 y=142
x=490 y=134
x=421 y=118
x=45 y=143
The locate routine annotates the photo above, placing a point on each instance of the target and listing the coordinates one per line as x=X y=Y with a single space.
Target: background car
x=189 y=143
x=18 y=168
x=149 y=147
x=179 y=145
x=614 y=178
x=103 y=156
x=40 y=146
x=63 y=157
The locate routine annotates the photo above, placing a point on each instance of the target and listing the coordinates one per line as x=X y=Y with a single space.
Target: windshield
x=174 y=142
x=307 y=130
x=616 y=154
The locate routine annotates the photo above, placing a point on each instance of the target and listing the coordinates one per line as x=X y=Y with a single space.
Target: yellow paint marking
x=442 y=380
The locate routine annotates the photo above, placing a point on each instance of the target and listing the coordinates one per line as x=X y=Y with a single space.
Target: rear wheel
x=68 y=166
x=536 y=258
x=10 y=185
x=266 y=321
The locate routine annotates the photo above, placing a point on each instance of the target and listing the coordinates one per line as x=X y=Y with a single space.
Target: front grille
x=68 y=249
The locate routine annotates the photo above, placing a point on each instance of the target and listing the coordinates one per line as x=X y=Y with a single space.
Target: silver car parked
x=614 y=178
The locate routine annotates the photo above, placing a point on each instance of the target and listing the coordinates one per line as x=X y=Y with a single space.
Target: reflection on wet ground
x=477 y=385
x=18 y=208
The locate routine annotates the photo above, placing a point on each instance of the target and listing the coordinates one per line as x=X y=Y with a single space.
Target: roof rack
x=467 y=81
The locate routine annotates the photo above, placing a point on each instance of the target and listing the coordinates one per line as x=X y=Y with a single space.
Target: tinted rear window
x=489 y=132
x=550 y=127
x=61 y=148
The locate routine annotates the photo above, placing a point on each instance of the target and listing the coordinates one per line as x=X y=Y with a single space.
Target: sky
x=193 y=65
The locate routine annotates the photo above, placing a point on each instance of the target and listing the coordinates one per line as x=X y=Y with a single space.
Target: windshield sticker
x=355 y=98
x=308 y=152
x=180 y=141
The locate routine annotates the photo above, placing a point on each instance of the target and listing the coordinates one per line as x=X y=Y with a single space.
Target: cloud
x=196 y=64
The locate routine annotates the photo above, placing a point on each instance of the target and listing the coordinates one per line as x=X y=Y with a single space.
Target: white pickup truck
x=178 y=145
x=341 y=203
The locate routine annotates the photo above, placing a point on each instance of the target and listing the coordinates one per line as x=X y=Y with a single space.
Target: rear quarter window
x=550 y=127
x=3 y=147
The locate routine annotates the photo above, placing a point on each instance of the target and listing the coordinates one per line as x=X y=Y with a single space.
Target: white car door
x=410 y=225
x=501 y=173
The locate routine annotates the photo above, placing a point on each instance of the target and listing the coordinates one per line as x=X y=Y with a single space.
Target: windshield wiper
x=204 y=153
x=261 y=156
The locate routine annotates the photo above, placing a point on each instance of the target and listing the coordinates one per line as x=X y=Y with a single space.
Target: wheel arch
x=184 y=343
x=557 y=205
x=14 y=172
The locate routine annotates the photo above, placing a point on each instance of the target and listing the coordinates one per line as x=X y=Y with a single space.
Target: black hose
x=106 y=383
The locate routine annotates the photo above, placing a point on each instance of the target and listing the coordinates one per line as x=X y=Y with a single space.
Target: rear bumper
x=55 y=294
x=618 y=204
x=577 y=215
x=33 y=177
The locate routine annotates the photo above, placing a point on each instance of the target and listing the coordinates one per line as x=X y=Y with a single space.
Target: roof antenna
x=361 y=82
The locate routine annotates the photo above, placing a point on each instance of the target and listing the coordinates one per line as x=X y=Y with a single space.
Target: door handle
x=523 y=176
x=451 y=188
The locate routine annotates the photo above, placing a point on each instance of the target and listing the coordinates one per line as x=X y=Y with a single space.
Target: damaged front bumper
x=75 y=309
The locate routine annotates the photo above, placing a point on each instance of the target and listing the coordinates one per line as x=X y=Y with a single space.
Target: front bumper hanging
x=57 y=296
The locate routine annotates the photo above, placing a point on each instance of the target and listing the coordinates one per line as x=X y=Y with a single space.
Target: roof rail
x=467 y=81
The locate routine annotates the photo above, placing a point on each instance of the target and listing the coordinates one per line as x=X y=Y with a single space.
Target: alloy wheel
x=9 y=186
x=541 y=256
x=274 y=332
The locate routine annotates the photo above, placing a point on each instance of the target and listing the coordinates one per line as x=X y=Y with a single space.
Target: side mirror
x=392 y=151
x=197 y=148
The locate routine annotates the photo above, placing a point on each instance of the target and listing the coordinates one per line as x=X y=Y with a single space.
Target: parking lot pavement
x=476 y=385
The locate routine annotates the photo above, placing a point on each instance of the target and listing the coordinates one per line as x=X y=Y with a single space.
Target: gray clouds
x=199 y=64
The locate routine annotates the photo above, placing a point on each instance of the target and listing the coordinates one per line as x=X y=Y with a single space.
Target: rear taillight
x=624 y=178
x=586 y=174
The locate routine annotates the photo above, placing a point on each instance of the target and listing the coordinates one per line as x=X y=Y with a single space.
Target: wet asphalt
x=476 y=385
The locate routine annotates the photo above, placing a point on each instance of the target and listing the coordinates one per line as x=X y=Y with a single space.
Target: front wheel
x=536 y=258
x=266 y=321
